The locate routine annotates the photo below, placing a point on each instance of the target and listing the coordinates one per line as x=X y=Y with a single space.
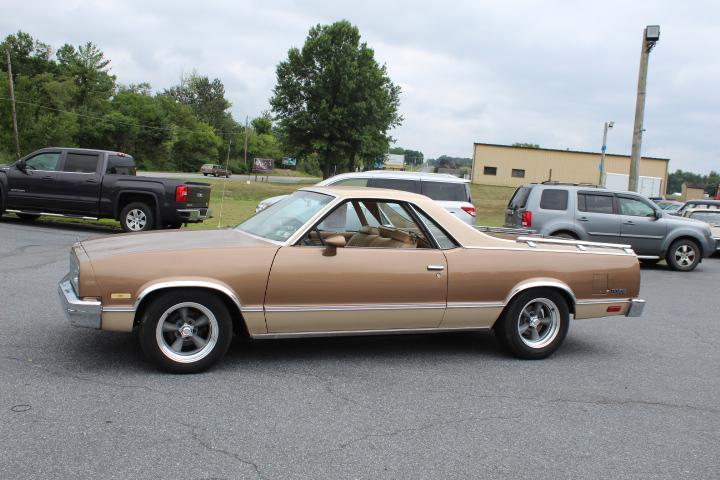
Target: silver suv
x=452 y=193
x=587 y=212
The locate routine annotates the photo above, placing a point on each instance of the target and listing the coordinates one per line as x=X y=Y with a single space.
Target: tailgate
x=198 y=194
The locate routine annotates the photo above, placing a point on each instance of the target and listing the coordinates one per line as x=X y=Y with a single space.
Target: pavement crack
x=207 y=445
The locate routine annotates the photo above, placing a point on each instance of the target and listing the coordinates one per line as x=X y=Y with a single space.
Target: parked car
x=596 y=214
x=451 y=192
x=697 y=204
x=93 y=184
x=329 y=261
x=711 y=216
x=669 y=206
x=215 y=170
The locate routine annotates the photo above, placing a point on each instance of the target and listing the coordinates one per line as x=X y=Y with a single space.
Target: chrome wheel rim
x=685 y=255
x=187 y=332
x=538 y=323
x=136 y=219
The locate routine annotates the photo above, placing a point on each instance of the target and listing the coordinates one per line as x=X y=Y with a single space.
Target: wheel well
x=239 y=326
x=686 y=237
x=127 y=198
x=568 y=232
x=565 y=294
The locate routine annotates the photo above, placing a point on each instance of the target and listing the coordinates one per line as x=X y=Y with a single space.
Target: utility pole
x=651 y=34
x=227 y=166
x=602 y=155
x=246 y=140
x=12 y=103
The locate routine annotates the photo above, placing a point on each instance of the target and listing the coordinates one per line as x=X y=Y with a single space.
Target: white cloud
x=547 y=72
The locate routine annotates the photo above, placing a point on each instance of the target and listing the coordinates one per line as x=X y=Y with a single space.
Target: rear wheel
x=565 y=235
x=683 y=255
x=28 y=216
x=137 y=217
x=186 y=331
x=535 y=324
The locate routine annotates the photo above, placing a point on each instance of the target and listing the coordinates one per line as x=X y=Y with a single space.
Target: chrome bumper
x=192 y=215
x=80 y=313
x=636 y=308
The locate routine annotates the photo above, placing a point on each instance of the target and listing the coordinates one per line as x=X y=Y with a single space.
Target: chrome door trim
x=352 y=333
x=354 y=308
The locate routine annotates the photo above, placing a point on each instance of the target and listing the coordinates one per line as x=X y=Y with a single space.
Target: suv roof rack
x=581 y=184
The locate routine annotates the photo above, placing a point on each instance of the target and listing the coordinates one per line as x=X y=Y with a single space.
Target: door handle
x=434 y=268
x=47 y=178
x=583 y=219
x=629 y=222
x=92 y=180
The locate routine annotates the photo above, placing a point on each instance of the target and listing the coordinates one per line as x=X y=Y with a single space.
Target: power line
x=104 y=117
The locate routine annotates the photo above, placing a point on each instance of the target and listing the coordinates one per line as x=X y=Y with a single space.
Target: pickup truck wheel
x=186 y=331
x=137 y=217
x=28 y=216
x=683 y=255
x=534 y=325
x=204 y=174
x=173 y=226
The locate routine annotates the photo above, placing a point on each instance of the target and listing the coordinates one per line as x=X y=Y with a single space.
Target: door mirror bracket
x=333 y=243
x=20 y=165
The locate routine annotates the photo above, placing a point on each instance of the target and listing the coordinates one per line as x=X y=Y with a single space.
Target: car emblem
x=199 y=195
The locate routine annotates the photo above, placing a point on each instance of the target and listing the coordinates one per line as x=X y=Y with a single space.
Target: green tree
x=525 y=145
x=205 y=97
x=332 y=98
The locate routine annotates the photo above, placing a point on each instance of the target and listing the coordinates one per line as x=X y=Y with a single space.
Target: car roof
x=369 y=192
x=427 y=176
x=703 y=202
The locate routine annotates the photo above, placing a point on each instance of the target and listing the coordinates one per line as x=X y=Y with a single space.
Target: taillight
x=470 y=210
x=613 y=308
x=181 y=193
x=526 y=219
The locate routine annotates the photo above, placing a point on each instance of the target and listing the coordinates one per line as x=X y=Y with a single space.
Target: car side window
x=591 y=203
x=395 y=184
x=351 y=182
x=49 y=162
x=554 y=199
x=635 y=207
x=443 y=239
x=81 y=162
x=342 y=219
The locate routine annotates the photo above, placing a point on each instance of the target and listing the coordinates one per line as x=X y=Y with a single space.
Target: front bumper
x=636 y=308
x=80 y=313
x=193 y=215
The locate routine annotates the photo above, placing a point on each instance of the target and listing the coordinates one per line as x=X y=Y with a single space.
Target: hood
x=168 y=241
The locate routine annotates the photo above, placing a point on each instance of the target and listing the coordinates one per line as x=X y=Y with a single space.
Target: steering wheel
x=309 y=241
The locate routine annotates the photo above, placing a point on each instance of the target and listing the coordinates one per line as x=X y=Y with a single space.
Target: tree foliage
x=525 y=145
x=678 y=177
x=334 y=100
x=412 y=157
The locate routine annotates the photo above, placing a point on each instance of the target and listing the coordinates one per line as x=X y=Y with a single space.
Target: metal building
x=512 y=166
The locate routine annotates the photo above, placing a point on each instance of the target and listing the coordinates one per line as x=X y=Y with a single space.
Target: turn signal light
x=526 y=219
x=181 y=193
x=613 y=308
x=470 y=210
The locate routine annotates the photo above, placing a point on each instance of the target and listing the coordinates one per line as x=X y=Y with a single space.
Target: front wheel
x=535 y=324
x=186 y=331
x=137 y=217
x=28 y=216
x=683 y=255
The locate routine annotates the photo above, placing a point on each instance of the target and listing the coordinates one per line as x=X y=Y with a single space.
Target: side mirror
x=658 y=214
x=20 y=164
x=333 y=243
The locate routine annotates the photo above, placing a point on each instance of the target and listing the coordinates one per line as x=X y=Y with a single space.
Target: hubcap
x=136 y=219
x=538 y=323
x=187 y=332
x=685 y=255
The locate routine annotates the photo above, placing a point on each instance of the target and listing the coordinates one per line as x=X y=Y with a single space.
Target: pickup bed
x=95 y=184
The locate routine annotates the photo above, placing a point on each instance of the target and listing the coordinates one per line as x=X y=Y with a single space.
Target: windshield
x=711 y=217
x=285 y=217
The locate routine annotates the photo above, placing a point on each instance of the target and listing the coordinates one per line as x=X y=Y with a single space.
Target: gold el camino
x=342 y=261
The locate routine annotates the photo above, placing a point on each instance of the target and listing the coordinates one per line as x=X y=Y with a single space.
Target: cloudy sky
x=547 y=72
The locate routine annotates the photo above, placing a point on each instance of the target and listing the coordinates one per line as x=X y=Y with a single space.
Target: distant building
x=512 y=166
x=692 y=191
x=394 y=162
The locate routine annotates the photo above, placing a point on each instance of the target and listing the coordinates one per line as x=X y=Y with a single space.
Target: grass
x=241 y=198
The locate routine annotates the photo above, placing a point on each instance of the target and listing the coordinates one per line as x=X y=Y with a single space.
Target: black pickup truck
x=95 y=184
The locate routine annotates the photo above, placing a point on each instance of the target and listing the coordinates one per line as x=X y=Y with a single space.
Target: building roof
x=566 y=151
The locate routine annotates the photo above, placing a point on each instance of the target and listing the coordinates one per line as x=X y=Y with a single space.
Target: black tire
x=565 y=235
x=173 y=226
x=521 y=344
x=205 y=174
x=159 y=341
x=683 y=255
x=28 y=216
x=649 y=261
x=137 y=217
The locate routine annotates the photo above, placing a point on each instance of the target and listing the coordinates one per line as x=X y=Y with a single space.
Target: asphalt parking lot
x=623 y=398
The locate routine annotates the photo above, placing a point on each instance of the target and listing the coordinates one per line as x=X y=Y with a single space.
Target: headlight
x=75 y=273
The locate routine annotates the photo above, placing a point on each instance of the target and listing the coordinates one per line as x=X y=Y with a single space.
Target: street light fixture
x=603 y=175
